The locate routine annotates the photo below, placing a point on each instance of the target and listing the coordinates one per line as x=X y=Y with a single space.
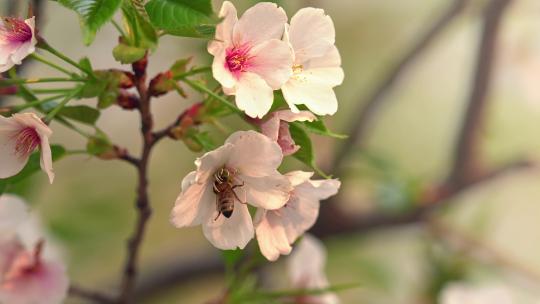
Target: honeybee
x=224 y=189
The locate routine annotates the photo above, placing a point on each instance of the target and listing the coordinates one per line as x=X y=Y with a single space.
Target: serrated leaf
x=140 y=36
x=189 y=18
x=305 y=154
x=93 y=14
x=31 y=167
x=81 y=113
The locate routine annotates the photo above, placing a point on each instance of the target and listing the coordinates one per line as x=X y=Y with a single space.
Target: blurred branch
x=466 y=159
x=369 y=107
x=95 y=297
x=479 y=249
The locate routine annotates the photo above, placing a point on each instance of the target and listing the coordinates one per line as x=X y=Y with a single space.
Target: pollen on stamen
x=26 y=141
x=15 y=30
x=237 y=59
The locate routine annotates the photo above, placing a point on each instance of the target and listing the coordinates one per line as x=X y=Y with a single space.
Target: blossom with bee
x=277 y=128
x=306 y=271
x=277 y=229
x=31 y=271
x=17 y=40
x=20 y=135
x=317 y=63
x=251 y=161
x=250 y=59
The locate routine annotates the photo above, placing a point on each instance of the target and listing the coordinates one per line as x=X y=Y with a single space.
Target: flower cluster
x=253 y=56
x=260 y=53
x=30 y=271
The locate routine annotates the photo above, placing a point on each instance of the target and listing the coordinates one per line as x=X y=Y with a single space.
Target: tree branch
x=466 y=159
x=94 y=296
x=369 y=107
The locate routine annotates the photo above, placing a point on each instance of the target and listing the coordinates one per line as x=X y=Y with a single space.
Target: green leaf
x=93 y=14
x=31 y=167
x=126 y=54
x=318 y=127
x=203 y=139
x=189 y=18
x=140 y=34
x=305 y=154
x=98 y=144
x=180 y=67
x=81 y=113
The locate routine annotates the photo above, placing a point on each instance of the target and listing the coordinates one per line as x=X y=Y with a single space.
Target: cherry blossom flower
x=277 y=229
x=250 y=59
x=20 y=135
x=17 y=40
x=250 y=161
x=306 y=271
x=277 y=128
x=460 y=293
x=28 y=274
x=317 y=63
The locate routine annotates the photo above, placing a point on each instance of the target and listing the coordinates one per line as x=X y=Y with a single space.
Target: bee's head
x=223 y=175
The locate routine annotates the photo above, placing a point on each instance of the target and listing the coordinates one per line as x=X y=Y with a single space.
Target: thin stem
x=6 y=82
x=197 y=86
x=51 y=91
x=52 y=64
x=36 y=103
x=44 y=45
x=60 y=106
x=193 y=72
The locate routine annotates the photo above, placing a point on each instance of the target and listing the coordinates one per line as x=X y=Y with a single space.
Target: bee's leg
x=236 y=196
x=236 y=186
x=217 y=208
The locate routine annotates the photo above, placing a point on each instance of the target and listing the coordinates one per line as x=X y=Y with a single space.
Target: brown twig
x=367 y=108
x=466 y=159
x=142 y=203
x=94 y=296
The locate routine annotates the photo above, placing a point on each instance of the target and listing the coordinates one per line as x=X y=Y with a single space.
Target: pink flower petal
x=261 y=22
x=230 y=233
x=277 y=128
x=194 y=205
x=211 y=161
x=254 y=154
x=311 y=34
x=224 y=29
x=13 y=212
x=220 y=71
x=268 y=192
x=272 y=60
x=271 y=235
x=10 y=162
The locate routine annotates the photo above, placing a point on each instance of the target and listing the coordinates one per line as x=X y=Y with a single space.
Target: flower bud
x=9 y=90
x=139 y=67
x=161 y=84
x=127 y=101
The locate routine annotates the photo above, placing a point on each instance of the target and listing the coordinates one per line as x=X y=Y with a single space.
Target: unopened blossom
x=460 y=293
x=277 y=128
x=250 y=160
x=28 y=273
x=250 y=59
x=306 y=271
x=20 y=135
x=317 y=63
x=17 y=40
x=278 y=229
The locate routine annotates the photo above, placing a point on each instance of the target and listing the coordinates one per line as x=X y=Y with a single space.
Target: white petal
x=254 y=154
x=270 y=127
x=220 y=72
x=301 y=214
x=253 y=95
x=13 y=212
x=311 y=34
x=22 y=52
x=45 y=159
x=7 y=65
x=273 y=61
x=262 y=21
x=268 y=192
x=298 y=177
x=230 y=233
x=271 y=235
x=460 y=293
x=289 y=116
x=306 y=263
x=195 y=204
x=224 y=29
x=318 y=189
x=331 y=59
x=32 y=120
x=314 y=89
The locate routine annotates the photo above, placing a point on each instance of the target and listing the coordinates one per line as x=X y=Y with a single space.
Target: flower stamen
x=237 y=59
x=15 y=30
x=26 y=141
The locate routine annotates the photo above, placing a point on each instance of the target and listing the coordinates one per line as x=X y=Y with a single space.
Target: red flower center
x=237 y=59
x=26 y=141
x=15 y=30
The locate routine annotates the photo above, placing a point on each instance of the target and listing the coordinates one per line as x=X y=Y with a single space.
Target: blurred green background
x=90 y=210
